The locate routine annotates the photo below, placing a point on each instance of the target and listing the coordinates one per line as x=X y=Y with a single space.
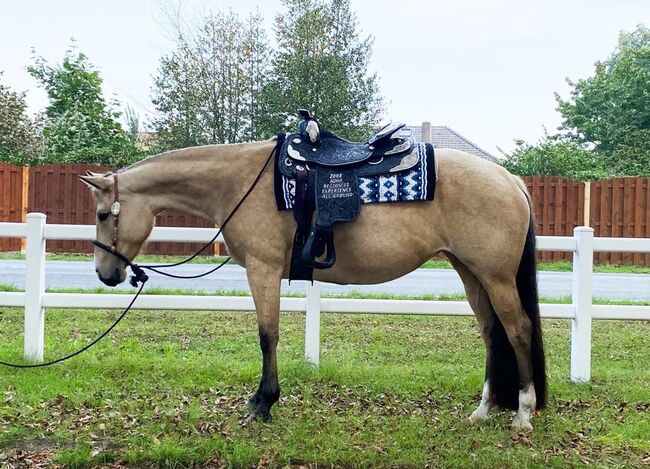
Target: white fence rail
x=581 y=312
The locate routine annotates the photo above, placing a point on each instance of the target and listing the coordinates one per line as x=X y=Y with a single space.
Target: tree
x=322 y=64
x=20 y=141
x=553 y=156
x=208 y=90
x=177 y=101
x=79 y=126
x=611 y=110
x=132 y=121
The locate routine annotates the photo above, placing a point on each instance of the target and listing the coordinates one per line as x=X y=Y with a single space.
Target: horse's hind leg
x=264 y=281
x=505 y=299
x=479 y=301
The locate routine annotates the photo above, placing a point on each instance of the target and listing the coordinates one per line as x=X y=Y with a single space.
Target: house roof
x=442 y=136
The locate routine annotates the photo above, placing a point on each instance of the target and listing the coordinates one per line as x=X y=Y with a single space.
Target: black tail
x=502 y=365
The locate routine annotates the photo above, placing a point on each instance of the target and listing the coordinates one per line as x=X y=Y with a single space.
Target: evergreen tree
x=322 y=64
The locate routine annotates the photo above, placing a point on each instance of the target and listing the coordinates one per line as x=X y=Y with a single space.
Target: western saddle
x=325 y=168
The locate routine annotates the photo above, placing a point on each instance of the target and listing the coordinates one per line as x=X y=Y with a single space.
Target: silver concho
x=405 y=145
x=407 y=162
x=115 y=208
x=295 y=154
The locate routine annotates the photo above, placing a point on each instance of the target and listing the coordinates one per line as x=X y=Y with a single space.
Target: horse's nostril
x=117 y=274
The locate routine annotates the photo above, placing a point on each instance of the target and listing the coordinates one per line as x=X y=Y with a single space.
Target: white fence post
x=583 y=260
x=312 y=324
x=34 y=288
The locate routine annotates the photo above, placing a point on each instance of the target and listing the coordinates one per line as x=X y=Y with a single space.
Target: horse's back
x=479 y=209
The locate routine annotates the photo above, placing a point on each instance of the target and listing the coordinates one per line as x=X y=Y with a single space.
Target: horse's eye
x=102 y=216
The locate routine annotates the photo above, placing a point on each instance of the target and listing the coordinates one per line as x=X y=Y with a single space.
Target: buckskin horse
x=480 y=218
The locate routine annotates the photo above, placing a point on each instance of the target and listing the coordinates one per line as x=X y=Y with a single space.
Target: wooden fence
x=559 y=206
x=12 y=201
x=57 y=191
x=621 y=208
x=617 y=207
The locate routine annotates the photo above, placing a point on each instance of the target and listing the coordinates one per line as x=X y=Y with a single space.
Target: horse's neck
x=202 y=181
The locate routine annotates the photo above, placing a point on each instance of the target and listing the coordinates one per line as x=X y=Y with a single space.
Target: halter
x=138 y=273
x=115 y=211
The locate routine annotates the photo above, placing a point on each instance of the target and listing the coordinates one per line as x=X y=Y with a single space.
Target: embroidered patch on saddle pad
x=415 y=184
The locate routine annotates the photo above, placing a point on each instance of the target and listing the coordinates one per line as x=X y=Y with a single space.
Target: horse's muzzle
x=112 y=281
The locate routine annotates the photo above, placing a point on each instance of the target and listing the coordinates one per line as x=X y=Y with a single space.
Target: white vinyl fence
x=581 y=312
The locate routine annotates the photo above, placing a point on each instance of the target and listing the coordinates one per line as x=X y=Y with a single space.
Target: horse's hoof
x=254 y=401
x=248 y=420
x=478 y=415
x=521 y=424
x=254 y=416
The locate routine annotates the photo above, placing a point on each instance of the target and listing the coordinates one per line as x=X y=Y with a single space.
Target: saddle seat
x=326 y=168
x=325 y=148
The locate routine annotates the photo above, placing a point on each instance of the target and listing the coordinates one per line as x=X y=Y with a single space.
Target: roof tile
x=444 y=137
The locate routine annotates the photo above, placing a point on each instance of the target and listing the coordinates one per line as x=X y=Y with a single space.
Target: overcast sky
x=488 y=69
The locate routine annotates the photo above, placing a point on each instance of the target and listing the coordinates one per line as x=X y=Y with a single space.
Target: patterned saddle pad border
x=415 y=184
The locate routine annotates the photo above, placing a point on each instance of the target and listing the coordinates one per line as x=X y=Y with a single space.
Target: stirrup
x=319 y=242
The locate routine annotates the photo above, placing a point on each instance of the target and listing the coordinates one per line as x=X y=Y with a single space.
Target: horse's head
x=124 y=221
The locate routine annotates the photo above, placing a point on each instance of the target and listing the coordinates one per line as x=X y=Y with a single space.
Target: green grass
x=167 y=389
x=558 y=266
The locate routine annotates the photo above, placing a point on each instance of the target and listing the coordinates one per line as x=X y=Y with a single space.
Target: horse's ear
x=97 y=181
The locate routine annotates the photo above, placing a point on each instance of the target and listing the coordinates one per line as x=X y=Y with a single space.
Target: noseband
x=138 y=273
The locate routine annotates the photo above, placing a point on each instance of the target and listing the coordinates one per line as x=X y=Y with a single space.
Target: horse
x=480 y=218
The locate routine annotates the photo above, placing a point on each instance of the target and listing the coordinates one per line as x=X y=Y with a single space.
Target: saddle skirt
x=325 y=179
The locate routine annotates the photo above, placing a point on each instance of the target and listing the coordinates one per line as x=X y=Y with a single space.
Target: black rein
x=139 y=276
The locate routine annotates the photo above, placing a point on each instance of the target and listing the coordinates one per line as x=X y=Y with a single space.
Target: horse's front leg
x=264 y=281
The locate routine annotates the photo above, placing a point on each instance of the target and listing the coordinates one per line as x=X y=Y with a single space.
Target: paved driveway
x=64 y=274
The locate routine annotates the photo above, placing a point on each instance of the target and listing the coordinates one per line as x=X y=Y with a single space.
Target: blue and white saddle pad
x=415 y=184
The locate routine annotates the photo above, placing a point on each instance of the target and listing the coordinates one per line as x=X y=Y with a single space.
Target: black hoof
x=254 y=401
x=255 y=416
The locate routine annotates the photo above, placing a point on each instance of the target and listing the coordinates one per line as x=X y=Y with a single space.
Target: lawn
x=168 y=389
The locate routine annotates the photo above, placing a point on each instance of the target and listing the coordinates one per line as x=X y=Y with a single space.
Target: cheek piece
x=138 y=274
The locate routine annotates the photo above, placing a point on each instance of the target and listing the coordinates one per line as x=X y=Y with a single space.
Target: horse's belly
x=384 y=243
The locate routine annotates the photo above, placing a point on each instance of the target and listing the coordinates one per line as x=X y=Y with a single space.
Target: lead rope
x=139 y=276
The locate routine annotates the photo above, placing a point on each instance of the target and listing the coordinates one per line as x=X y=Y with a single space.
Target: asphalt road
x=64 y=274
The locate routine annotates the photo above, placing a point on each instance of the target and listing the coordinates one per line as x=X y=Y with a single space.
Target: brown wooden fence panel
x=558 y=204
x=57 y=191
x=11 y=201
x=621 y=208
